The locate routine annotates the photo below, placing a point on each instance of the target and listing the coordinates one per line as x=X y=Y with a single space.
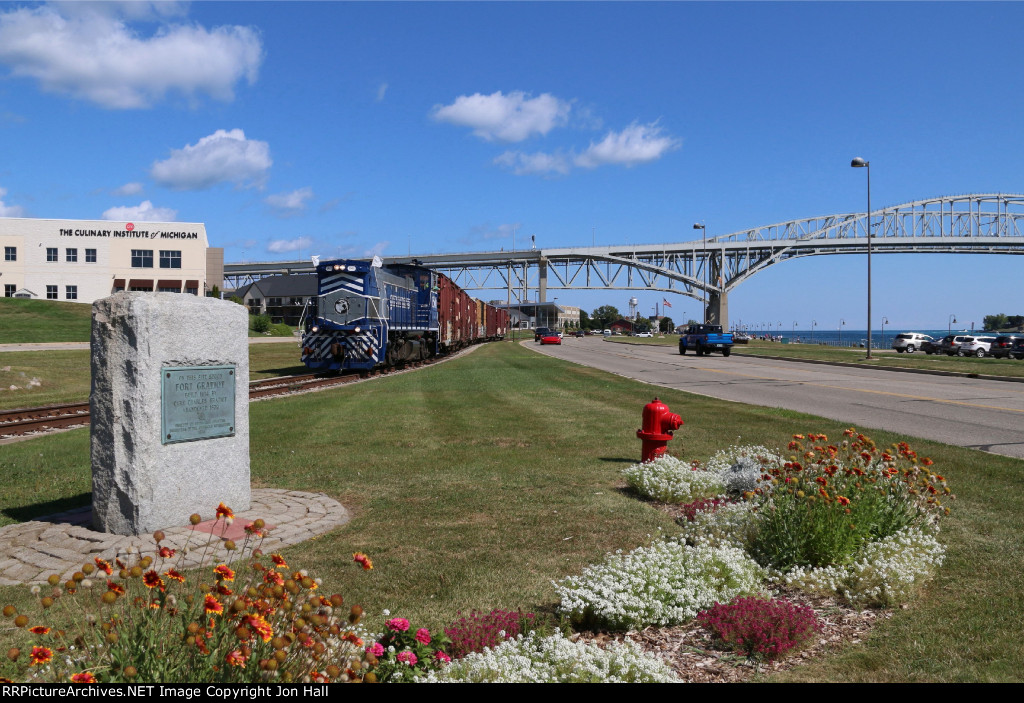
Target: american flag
x=666 y=303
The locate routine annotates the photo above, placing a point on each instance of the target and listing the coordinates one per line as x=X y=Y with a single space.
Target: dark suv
x=1003 y=345
x=539 y=333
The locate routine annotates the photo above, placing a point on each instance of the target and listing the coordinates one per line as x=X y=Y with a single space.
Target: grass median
x=476 y=482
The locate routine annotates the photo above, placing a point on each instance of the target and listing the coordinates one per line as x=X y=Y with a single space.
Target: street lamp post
x=704 y=245
x=793 y=338
x=952 y=319
x=885 y=321
x=861 y=163
x=813 y=323
x=841 y=323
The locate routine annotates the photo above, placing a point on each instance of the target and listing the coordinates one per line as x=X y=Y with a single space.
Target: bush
x=761 y=628
x=823 y=508
x=663 y=584
x=402 y=655
x=259 y=323
x=479 y=631
x=250 y=620
x=719 y=523
x=673 y=481
x=555 y=659
x=741 y=467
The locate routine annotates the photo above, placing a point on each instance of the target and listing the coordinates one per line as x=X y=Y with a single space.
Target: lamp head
x=859 y=163
x=697 y=225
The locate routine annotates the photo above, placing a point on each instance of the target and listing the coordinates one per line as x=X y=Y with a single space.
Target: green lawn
x=63 y=376
x=43 y=321
x=476 y=482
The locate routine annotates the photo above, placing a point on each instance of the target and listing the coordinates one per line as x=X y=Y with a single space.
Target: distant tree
x=214 y=292
x=605 y=316
x=667 y=325
x=585 y=322
x=1015 y=322
x=996 y=322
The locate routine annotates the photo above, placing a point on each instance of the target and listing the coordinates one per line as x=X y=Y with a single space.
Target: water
x=846 y=337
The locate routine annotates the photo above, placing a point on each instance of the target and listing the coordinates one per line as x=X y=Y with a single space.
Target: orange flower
x=40 y=655
x=362 y=559
x=152 y=580
x=236 y=658
x=224 y=572
x=166 y=553
x=212 y=605
x=279 y=561
x=84 y=677
x=175 y=574
x=260 y=626
x=223 y=590
x=39 y=630
x=224 y=511
x=103 y=565
x=115 y=587
x=842 y=500
x=274 y=578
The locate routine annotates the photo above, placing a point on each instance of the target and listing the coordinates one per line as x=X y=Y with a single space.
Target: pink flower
x=398 y=624
x=377 y=649
x=442 y=657
x=423 y=635
x=407 y=657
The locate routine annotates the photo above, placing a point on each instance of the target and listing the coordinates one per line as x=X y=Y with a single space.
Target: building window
x=192 y=291
x=254 y=305
x=10 y=253
x=170 y=259
x=51 y=292
x=9 y=289
x=71 y=292
x=164 y=289
x=142 y=258
x=90 y=256
x=71 y=255
x=51 y=253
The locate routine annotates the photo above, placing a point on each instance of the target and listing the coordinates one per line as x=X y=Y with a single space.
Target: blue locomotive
x=367 y=315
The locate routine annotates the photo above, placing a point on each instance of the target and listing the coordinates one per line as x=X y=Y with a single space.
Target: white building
x=84 y=260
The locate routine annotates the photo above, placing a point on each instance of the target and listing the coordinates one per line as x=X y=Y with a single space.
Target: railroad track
x=26 y=421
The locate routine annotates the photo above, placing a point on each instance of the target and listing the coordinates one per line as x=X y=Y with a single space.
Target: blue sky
x=350 y=129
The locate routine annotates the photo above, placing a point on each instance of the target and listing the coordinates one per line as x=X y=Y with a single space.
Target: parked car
x=950 y=344
x=607 y=333
x=933 y=346
x=551 y=337
x=975 y=346
x=580 y=333
x=646 y=335
x=909 y=342
x=540 y=332
x=1017 y=350
x=1003 y=345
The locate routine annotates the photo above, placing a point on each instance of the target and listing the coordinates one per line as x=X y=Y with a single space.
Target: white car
x=909 y=342
x=976 y=346
x=648 y=335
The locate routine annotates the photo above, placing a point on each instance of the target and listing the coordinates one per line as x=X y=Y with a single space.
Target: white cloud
x=486 y=232
x=381 y=90
x=508 y=118
x=90 y=52
x=9 y=210
x=280 y=246
x=221 y=157
x=538 y=162
x=636 y=144
x=290 y=203
x=143 y=212
x=128 y=189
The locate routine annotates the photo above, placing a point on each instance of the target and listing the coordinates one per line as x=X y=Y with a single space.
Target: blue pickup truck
x=704 y=339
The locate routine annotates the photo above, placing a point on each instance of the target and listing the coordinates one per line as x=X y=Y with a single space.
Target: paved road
x=979 y=414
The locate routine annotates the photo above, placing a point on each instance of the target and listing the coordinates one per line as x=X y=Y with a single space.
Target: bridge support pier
x=542 y=281
x=718 y=309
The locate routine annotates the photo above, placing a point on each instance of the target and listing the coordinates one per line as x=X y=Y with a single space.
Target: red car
x=550 y=338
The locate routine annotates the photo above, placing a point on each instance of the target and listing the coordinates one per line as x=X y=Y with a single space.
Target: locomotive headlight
x=314 y=329
x=357 y=330
x=351 y=268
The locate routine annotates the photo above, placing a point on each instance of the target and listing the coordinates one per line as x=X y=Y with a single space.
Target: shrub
x=741 y=467
x=250 y=619
x=761 y=628
x=829 y=502
x=719 y=523
x=673 y=481
x=260 y=323
x=479 y=630
x=663 y=584
x=556 y=659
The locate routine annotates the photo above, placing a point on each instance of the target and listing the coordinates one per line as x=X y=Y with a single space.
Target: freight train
x=367 y=315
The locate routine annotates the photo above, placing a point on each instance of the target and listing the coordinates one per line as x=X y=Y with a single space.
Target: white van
x=607 y=333
x=909 y=342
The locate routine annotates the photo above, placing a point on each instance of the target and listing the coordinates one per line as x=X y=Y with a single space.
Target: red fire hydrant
x=659 y=424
